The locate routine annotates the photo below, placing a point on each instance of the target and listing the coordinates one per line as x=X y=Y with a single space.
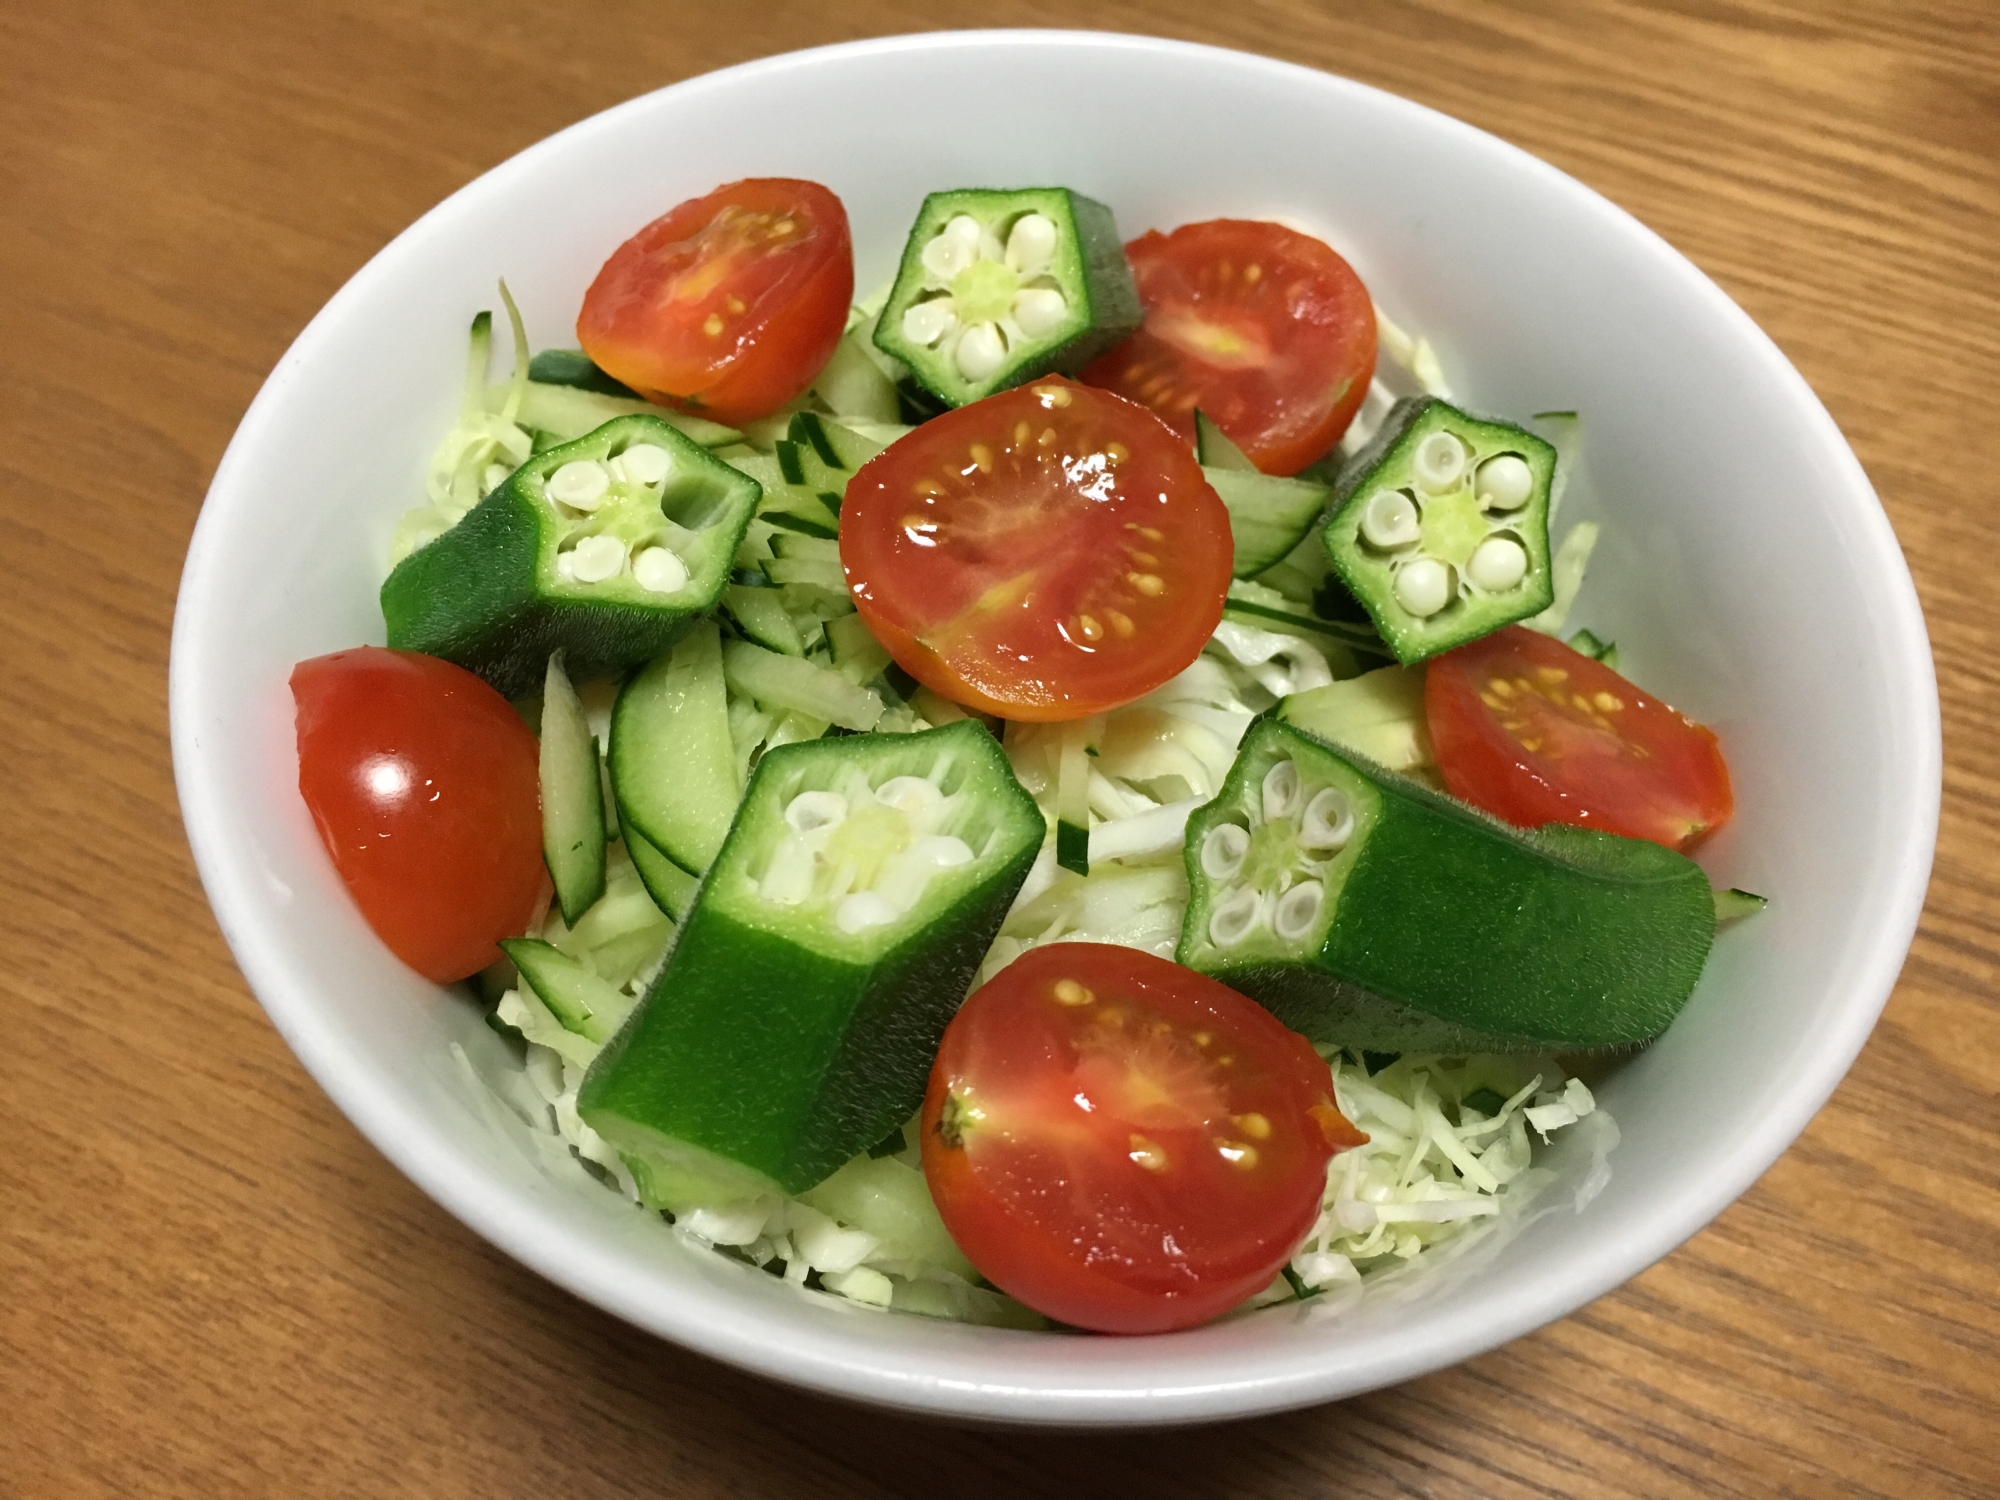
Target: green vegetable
x=795 y=1022
x=1378 y=715
x=606 y=548
x=573 y=840
x=586 y=1004
x=572 y=367
x=673 y=769
x=1440 y=527
x=1733 y=903
x=1366 y=910
x=997 y=287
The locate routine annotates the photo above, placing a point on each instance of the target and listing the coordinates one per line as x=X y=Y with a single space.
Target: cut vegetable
x=1440 y=527
x=997 y=288
x=1369 y=911
x=586 y=1004
x=672 y=768
x=572 y=797
x=1378 y=715
x=606 y=548
x=795 y=1022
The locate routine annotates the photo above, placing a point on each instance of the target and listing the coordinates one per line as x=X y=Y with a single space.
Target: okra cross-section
x=834 y=936
x=1366 y=910
x=1440 y=527
x=997 y=287
x=605 y=548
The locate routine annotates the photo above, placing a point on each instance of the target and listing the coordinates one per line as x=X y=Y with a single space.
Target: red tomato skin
x=929 y=600
x=425 y=787
x=1047 y=1197
x=1640 y=769
x=1280 y=363
x=777 y=306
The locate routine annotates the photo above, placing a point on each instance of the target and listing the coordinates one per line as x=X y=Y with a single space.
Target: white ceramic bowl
x=1746 y=572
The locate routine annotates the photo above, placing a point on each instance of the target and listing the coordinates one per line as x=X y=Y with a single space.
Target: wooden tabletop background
x=211 y=1286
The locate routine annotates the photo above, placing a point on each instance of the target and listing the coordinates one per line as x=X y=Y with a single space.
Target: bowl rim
x=589 y=1271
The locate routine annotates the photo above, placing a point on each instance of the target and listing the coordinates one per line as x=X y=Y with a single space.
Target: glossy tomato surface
x=729 y=305
x=1046 y=553
x=1266 y=330
x=1124 y=1144
x=424 y=785
x=1536 y=733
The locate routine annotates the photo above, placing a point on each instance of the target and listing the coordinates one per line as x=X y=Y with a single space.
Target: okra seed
x=862 y=910
x=659 y=571
x=1329 y=821
x=580 y=484
x=1039 y=310
x=1390 y=519
x=1222 y=851
x=1503 y=483
x=1297 y=910
x=1423 y=587
x=1281 y=790
x=908 y=794
x=980 y=352
x=809 y=812
x=952 y=250
x=927 y=322
x=1499 y=563
x=1439 y=462
x=643 y=464
x=1233 y=917
x=941 y=851
x=598 y=558
x=1031 y=243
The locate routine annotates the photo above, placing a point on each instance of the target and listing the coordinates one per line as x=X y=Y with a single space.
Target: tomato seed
x=1069 y=992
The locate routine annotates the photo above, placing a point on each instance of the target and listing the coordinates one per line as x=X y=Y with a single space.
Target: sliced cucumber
x=857 y=655
x=1733 y=903
x=569 y=412
x=1254 y=604
x=1268 y=516
x=797 y=1018
x=585 y=1004
x=1214 y=450
x=760 y=615
x=1379 y=715
x=1365 y=910
x=854 y=385
x=671 y=887
x=1073 y=794
x=574 y=368
x=573 y=839
x=673 y=770
x=786 y=682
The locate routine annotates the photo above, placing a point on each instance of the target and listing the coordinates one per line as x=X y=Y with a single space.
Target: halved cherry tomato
x=1122 y=1143
x=1536 y=733
x=425 y=788
x=728 y=306
x=1048 y=553
x=1265 y=329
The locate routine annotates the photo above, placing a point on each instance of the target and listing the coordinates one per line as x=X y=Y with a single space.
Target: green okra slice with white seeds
x=1366 y=910
x=1440 y=527
x=606 y=548
x=998 y=287
x=835 y=934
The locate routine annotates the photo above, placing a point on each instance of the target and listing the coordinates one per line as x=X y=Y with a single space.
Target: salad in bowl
x=1002 y=745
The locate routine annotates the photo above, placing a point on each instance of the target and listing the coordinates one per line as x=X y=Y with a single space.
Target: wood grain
x=211 y=1286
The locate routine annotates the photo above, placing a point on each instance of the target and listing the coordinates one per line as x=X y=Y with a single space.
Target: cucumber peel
x=573 y=842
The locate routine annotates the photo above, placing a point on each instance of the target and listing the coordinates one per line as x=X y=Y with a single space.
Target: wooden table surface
x=210 y=1285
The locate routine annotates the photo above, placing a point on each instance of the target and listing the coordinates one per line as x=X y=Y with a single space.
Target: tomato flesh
x=1123 y=1144
x=1047 y=553
x=1268 y=331
x=1534 y=733
x=424 y=786
x=730 y=304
